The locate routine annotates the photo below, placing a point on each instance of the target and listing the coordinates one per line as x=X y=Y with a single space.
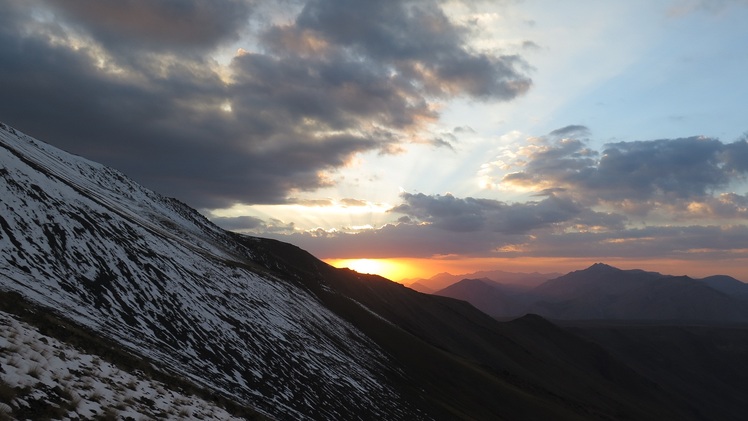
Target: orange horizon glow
x=403 y=269
x=393 y=269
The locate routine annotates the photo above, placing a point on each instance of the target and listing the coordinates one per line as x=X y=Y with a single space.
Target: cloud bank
x=662 y=198
x=139 y=85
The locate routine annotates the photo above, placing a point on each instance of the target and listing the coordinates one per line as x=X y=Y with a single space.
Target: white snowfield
x=74 y=385
x=157 y=277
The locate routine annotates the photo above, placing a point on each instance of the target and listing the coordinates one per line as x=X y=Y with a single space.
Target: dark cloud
x=162 y=24
x=570 y=240
x=239 y=223
x=530 y=45
x=664 y=170
x=735 y=156
x=403 y=240
x=571 y=130
x=463 y=129
x=682 y=168
x=132 y=84
x=322 y=94
x=470 y=214
x=418 y=40
x=250 y=224
x=444 y=141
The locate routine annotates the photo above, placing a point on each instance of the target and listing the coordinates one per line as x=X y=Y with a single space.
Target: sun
x=387 y=268
x=369 y=266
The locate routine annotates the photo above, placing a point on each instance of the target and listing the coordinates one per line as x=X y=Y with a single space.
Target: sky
x=408 y=138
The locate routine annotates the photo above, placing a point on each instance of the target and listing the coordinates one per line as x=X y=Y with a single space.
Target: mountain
x=598 y=279
x=420 y=287
x=444 y=279
x=603 y=292
x=494 y=299
x=727 y=284
x=259 y=325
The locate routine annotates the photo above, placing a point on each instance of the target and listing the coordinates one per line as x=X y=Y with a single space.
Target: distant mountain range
x=104 y=269
x=602 y=292
x=443 y=280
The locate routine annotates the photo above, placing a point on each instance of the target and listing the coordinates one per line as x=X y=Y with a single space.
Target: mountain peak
x=601 y=266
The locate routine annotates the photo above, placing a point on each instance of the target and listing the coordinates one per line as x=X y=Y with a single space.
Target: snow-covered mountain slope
x=42 y=377
x=155 y=276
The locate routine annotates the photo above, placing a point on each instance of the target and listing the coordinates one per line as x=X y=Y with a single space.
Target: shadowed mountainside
x=706 y=365
x=494 y=299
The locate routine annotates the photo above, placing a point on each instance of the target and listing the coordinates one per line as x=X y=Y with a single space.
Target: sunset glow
x=406 y=269
x=389 y=268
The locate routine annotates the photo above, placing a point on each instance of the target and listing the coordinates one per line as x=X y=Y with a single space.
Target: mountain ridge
x=604 y=292
x=444 y=279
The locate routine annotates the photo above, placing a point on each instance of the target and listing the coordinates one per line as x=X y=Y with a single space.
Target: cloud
x=735 y=156
x=250 y=224
x=674 y=242
x=418 y=40
x=402 y=240
x=572 y=239
x=132 y=84
x=570 y=130
x=426 y=241
x=353 y=202
x=640 y=172
x=470 y=214
x=601 y=204
x=725 y=206
x=530 y=45
x=312 y=202
x=239 y=223
x=681 y=8
x=157 y=25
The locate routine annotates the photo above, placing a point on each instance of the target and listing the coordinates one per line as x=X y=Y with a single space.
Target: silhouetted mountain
x=727 y=285
x=603 y=292
x=417 y=286
x=263 y=325
x=607 y=293
x=444 y=279
x=494 y=299
x=596 y=279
